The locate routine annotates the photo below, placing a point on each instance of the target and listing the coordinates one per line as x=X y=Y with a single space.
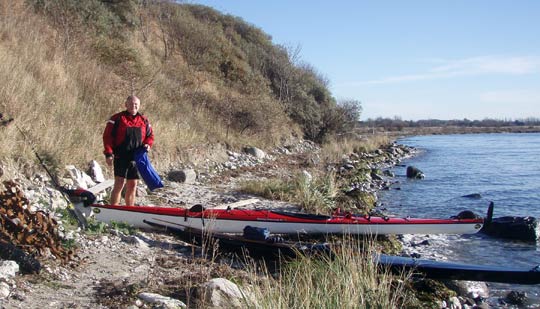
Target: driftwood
x=236 y=204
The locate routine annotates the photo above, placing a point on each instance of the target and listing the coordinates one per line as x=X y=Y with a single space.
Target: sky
x=430 y=59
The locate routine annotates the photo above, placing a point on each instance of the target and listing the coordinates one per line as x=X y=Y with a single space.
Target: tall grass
x=351 y=279
x=334 y=149
x=313 y=194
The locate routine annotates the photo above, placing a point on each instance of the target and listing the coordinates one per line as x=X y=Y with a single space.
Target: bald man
x=125 y=132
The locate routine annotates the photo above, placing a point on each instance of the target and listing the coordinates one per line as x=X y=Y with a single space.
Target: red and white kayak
x=234 y=221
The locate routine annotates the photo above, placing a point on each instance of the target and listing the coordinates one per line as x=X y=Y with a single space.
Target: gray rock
x=186 y=176
x=389 y=173
x=413 y=172
x=256 y=152
x=482 y=306
x=473 y=196
x=516 y=298
x=472 y=289
x=134 y=240
x=348 y=166
x=222 y=293
x=376 y=177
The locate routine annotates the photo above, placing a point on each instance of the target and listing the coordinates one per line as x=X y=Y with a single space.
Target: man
x=125 y=132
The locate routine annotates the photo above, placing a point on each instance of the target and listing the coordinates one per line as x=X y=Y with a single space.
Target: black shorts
x=125 y=169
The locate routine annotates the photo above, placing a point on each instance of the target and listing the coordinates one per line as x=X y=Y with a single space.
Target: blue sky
x=456 y=59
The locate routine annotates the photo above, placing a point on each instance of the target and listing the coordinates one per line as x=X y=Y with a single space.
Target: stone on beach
x=185 y=176
x=221 y=293
x=256 y=152
x=162 y=301
x=95 y=171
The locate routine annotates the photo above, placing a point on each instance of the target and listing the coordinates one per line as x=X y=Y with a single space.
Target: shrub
x=104 y=17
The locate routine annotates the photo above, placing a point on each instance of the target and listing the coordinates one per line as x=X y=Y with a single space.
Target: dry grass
x=60 y=94
x=333 y=150
x=351 y=279
x=313 y=195
x=43 y=91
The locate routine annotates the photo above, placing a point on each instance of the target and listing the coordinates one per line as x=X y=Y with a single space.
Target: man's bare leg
x=131 y=190
x=116 y=193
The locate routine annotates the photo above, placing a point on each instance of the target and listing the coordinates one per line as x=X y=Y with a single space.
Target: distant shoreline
x=447 y=130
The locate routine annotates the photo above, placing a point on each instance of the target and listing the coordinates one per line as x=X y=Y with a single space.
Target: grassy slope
x=203 y=78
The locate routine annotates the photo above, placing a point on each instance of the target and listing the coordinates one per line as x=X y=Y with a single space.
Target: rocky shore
x=112 y=268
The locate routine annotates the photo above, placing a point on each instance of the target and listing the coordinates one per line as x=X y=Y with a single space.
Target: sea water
x=502 y=168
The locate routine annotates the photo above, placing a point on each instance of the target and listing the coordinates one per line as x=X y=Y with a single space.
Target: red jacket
x=125 y=132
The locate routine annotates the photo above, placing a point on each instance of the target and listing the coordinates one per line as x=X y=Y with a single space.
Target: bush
x=339 y=119
x=104 y=17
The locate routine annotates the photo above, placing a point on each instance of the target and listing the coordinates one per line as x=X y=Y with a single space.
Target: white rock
x=80 y=179
x=167 y=302
x=5 y=290
x=8 y=269
x=307 y=176
x=95 y=171
x=454 y=303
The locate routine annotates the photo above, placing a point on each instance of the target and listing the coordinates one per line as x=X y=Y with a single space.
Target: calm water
x=503 y=168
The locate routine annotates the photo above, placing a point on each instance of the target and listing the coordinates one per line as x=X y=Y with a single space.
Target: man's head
x=132 y=104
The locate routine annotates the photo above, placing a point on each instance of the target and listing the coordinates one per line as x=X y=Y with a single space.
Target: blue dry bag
x=146 y=170
x=256 y=233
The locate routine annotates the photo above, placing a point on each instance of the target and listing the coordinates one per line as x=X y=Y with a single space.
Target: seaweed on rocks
x=22 y=230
